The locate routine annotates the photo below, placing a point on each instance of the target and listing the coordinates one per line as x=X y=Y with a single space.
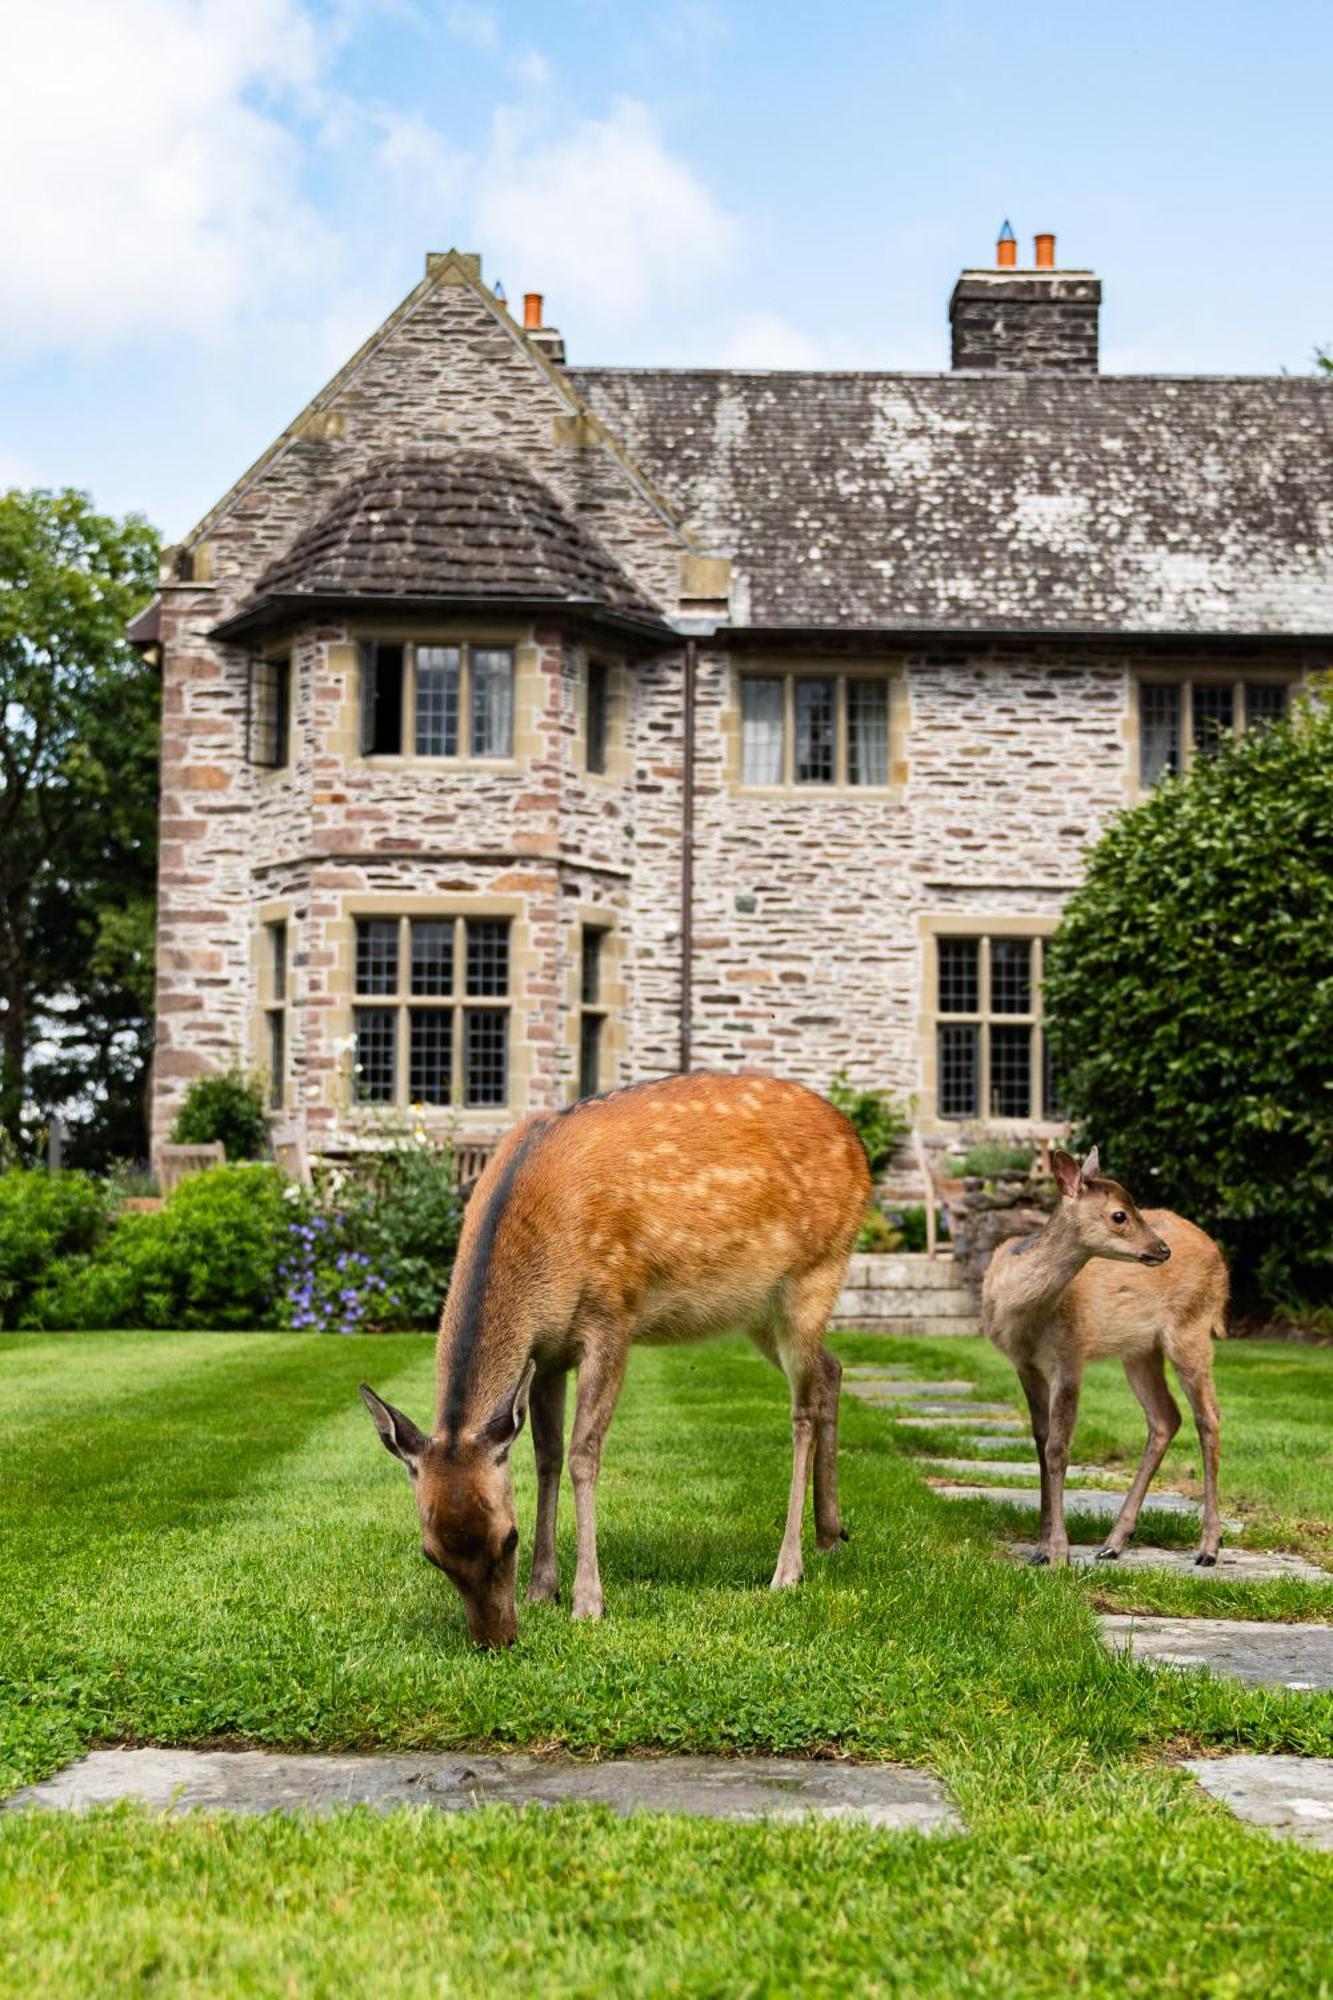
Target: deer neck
x=1033 y=1275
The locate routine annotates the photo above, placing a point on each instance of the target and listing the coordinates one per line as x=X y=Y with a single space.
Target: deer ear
x=507 y=1418
x=1065 y=1168
x=1091 y=1167
x=398 y=1433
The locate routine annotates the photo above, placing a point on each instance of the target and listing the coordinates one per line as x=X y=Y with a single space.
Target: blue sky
x=212 y=202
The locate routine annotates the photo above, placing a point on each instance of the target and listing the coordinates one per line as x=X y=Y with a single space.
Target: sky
x=211 y=203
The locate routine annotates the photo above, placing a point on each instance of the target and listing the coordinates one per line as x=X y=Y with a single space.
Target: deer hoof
x=1204 y=1561
x=1108 y=1555
x=1038 y=1559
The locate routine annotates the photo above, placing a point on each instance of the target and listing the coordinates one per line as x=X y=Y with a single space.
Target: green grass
x=201 y=1541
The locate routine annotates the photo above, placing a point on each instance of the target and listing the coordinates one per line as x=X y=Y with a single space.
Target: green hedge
x=44 y=1220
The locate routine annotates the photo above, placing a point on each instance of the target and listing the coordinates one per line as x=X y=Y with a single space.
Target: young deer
x=668 y=1212
x=1086 y=1287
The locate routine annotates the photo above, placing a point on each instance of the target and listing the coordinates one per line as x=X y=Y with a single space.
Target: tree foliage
x=879 y=1121
x=227 y=1107
x=78 y=818
x=1189 y=996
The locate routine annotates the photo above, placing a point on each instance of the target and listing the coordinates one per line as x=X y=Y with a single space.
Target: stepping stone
x=961 y=1413
x=1232 y=1565
x=1292 y=1797
x=1083 y=1500
x=1264 y=1654
x=992 y=1428
x=746 y=1788
x=956 y=1466
x=883 y=1388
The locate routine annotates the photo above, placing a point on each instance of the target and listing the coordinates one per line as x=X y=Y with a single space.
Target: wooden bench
x=177 y=1163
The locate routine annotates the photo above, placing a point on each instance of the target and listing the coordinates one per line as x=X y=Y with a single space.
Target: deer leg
x=829 y=1530
x=546 y=1407
x=1038 y=1392
x=1197 y=1382
x=1059 y=1435
x=601 y=1372
x=800 y=1335
x=1147 y=1379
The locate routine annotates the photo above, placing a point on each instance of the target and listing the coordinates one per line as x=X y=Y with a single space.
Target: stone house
x=531 y=729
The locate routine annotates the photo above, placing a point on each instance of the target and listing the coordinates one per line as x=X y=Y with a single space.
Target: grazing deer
x=1086 y=1287
x=667 y=1212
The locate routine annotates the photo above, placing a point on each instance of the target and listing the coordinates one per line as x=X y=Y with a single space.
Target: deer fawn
x=1070 y=1294
x=667 y=1212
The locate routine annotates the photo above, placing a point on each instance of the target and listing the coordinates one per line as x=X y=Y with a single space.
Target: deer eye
x=1118 y=1215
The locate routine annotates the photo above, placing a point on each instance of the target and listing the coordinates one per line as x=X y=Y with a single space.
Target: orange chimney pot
x=532 y=311
x=1006 y=252
x=1045 y=247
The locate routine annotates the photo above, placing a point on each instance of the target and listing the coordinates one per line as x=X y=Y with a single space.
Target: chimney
x=545 y=338
x=1008 y=321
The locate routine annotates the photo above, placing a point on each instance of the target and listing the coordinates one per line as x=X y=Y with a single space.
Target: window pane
x=1011 y=1072
x=277 y=961
x=377 y=955
x=958 y=1070
x=761 y=732
x=431 y=1057
x=1011 y=976
x=270 y=712
x=867 y=732
x=485 y=1055
x=1159 y=722
x=492 y=701
x=375 y=1056
x=590 y=1055
x=1265 y=702
x=598 y=705
x=381 y=700
x=959 y=978
x=433 y=957
x=437 y=701
x=488 y=955
x=277 y=1056
x=590 y=981
x=1214 y=717
x=814 y=732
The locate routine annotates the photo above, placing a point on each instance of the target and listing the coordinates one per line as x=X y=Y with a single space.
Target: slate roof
x=462 y=526
x=1044 y=502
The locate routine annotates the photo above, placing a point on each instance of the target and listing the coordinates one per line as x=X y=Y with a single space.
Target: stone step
x=947 y=1409
x=1232 y=1565
x=906 y=1302
x=955 y=1467
x=1083 y=1500
x=889 y=1796
x=1263 y=1654
x=995 y=1427
x=1290 y=1797
x=901 y=1270
x=904 y=1329
x=877 y=1388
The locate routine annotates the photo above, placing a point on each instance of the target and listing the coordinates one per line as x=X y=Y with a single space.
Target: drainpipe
x=687 y=858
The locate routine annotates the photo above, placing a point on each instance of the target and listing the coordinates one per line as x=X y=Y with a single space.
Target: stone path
x=1232 y=1566
x=1261 y=1653
x=992 y=1430
x=1291 y=1796
x=938 y=1467
x=746 y=1788
x=1089 y=1501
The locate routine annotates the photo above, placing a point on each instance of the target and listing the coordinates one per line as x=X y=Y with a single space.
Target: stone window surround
x=266 y=916
x=619 y=761
x=612 y=1002
x=839 y=668
x=523 y=963
x=934 y=925
x=531 y=692
x=273 y=654
x=1188 y=675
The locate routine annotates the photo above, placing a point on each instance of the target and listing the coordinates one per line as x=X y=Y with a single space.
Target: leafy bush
x=988 y=1158
x=880 y=1123
x=44 y=1218
x=877 y=1234
x=910 y=1224
x=1189 y=995
x=208 y=1259
x=229 y=1107
x=375 y=1245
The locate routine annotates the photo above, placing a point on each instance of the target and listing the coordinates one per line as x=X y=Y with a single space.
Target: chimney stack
x=1041 y=321
x=545 y=338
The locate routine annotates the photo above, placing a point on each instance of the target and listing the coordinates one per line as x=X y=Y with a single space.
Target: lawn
x=201 y=1541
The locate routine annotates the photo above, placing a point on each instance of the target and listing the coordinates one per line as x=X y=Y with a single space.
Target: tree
x=1190 y=1002
x=78 y=815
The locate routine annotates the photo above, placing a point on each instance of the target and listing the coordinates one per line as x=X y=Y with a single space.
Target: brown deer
x=1087 y=1287
x=666 y=1212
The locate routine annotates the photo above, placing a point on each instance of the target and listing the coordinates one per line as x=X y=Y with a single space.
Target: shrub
x=877 y=1233
x=44 y=1219
x=229 y=1107
x=910 y=1224
x=880 y=1123
x=988 y=1158
x=1190 y=1001
x=208 y=1259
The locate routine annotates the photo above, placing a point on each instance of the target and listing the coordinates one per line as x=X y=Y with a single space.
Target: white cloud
x=606 y=214
x=153 y=183
x=476 y=26
x=766 y=340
